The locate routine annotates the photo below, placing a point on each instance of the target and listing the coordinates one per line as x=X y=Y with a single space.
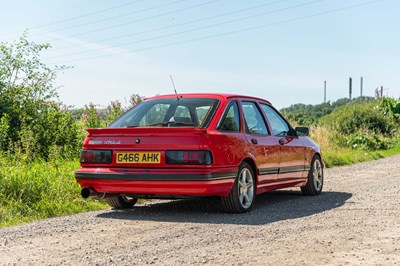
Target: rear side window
x=279 y=126
x=231 y=119
x=254 y=121
x=202 y=112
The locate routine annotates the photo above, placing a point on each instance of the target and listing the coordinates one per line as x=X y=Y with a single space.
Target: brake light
x=188 y=157
x=95 y=156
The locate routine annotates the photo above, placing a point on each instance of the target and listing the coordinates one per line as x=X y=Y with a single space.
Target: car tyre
x=315 y=180
x=121 y=202
x=242 y=196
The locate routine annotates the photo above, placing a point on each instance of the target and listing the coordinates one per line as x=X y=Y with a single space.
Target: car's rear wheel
x=242 y=196
x=315 y=179
x=122 y=202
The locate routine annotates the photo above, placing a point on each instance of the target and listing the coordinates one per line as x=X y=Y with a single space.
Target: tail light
x=188 y=157
x=95 y=156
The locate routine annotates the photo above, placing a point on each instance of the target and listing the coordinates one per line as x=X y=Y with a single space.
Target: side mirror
x=302 y=131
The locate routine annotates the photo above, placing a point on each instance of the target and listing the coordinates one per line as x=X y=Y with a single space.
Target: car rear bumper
x=190 y=182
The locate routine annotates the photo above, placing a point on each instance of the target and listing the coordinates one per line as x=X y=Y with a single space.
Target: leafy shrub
x=390 y=107
x=367 y=141
x=4 y=128
x=92 y=117
x=301 y=119
x=350 y=119
x=31 y=118
x=113 y=111
x=308 y=115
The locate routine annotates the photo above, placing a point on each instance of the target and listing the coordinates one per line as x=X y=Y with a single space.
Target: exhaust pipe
x=89 y=192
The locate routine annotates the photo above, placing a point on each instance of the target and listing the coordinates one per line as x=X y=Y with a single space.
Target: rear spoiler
x=144 y=130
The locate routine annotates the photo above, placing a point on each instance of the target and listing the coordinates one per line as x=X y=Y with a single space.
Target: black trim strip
x=283 y=170
x=291 y=169
x=268 y=171
x=156 y=177
x=307 y=168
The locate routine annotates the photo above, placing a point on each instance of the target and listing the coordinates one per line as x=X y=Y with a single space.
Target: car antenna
x=173 y=85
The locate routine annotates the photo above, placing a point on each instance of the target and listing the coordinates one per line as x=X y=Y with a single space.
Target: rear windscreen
x=172 y=112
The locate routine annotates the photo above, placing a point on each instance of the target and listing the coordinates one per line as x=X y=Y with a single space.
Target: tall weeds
x=323 y=136
x=39 y=189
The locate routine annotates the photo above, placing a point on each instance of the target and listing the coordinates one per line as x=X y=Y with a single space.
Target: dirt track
x=356 y=221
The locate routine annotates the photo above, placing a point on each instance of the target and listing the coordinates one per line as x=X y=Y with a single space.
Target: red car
x=192 y=145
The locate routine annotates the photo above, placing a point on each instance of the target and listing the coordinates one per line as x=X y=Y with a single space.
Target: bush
x=366 y=117
x=390 y=107
x=308 y=115
x=31 y=118
x=367 y=141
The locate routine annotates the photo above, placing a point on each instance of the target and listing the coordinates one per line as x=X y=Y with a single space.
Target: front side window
x=278 y=125
x=171 y=112
x=231 y=120
x=254 y=121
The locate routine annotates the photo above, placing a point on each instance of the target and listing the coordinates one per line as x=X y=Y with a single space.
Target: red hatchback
x=192 y=145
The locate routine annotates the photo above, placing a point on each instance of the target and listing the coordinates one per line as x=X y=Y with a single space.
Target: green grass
x=350 y=156
x=38 y=190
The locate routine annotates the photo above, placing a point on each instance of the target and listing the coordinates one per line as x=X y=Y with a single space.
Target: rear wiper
x=156 y=124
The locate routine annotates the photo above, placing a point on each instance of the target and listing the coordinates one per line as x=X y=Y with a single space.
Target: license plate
x=138 y=157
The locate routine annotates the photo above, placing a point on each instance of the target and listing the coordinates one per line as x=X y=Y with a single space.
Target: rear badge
x=112 y=142
x=106 y=142
x=95 y=142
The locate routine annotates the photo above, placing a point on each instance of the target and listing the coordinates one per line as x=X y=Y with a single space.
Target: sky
x=281 y=51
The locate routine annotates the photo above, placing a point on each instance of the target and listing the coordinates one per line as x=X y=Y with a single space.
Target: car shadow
x=270 y=207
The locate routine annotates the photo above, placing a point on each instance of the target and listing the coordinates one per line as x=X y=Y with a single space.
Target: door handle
x=254 y=141
x=281 y=142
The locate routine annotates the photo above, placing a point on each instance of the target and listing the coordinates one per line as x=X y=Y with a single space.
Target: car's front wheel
x=122 y=202
x=242 y=196
x=315 y=179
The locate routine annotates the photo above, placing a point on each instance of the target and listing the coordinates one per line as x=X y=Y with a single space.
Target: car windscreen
x=169 y=112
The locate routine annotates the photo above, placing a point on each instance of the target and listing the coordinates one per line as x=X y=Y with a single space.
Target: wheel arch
x=253 y=165
x=320 y=157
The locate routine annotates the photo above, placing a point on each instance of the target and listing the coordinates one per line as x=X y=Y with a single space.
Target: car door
x=230 y=144
x=292 y=151
x=266 y=151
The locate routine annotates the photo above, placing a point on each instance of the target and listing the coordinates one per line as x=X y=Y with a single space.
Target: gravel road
x=354 y=222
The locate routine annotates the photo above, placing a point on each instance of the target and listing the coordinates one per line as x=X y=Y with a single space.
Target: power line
x=77 y=17
x=233 y=32
x=177 y=25
x=115 y=17
x=194 y=29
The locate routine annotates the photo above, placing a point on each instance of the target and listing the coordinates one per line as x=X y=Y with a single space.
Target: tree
x=113 y=111
x=31 y=117
x=135 y=99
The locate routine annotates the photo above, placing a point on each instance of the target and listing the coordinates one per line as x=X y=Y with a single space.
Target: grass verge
x=336 y=155
x=38 y=190
x=349 y=156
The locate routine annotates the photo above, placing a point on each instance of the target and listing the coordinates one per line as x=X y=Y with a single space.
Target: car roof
x=208 y=95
